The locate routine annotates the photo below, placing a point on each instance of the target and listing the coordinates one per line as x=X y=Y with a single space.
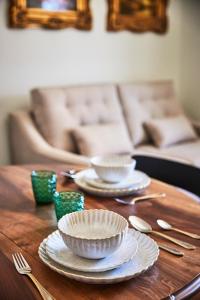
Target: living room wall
x=30 y=58
x=190 y=57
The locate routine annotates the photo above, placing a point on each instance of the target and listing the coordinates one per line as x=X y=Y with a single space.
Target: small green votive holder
x=67 y=202
x=44 y=185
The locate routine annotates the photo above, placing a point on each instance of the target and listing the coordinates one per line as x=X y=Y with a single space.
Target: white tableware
x=81 y=181
x=145 y=257
x=93 y=180
x=60 y=253
x=93 y=233
x=113 y=168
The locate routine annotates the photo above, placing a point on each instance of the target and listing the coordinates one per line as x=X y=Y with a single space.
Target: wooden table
x=23 y=226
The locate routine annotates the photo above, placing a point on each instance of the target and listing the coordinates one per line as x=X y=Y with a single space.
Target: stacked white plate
x=88 y=181
x=136 y=255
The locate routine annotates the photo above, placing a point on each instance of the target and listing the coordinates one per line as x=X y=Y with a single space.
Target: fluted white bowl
x=94 y=233
x=113 y=168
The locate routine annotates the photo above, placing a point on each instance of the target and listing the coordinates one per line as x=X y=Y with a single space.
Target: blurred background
x=32 y=58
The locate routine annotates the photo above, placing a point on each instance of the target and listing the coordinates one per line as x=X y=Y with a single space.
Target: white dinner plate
x=145 y=258
x=60 y=253
x=138 y=187
x=93 y=180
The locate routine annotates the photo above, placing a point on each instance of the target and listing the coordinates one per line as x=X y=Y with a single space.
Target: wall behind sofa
x=30 y=58
x=190 y=57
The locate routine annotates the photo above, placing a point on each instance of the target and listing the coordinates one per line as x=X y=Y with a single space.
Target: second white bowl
x=113 y=168
x=94 y=233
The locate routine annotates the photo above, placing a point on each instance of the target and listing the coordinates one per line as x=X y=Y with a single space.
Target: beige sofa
x=44 y=133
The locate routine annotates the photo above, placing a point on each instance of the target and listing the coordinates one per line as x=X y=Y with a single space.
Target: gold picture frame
x=137 y=15
x=37 y=13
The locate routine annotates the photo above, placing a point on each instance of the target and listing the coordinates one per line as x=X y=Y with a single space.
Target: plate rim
x=109 y=192
x=83 y=278
x=116 y=265
x=92 y=182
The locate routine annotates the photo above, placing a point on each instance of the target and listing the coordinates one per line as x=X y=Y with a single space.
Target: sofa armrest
x=196 y=125
x=28 y=145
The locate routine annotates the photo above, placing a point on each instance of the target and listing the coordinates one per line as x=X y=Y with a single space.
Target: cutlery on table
x=145 y=227
x=71 y=173
x=170 y=250
x=23 y=267
x=140 y=198
x=166 y=226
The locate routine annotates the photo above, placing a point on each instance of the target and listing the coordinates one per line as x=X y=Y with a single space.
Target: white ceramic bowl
x=93 y=233
x=113 y=168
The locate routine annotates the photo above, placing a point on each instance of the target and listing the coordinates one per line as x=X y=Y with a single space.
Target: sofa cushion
x=102 y=139
x=188 y=152
x=59 y=110
x=145 y=101
x=168 y=131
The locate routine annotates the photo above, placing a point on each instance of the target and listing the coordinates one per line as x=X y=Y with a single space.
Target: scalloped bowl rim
x=93 y=239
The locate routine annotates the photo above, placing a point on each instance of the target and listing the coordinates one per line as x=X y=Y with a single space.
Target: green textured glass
x=44 y=185
x=67 y=202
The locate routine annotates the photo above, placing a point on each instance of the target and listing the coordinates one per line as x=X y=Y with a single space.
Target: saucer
x=144 y=259
x=93 y=180
x=60 y=253
x=82 y=181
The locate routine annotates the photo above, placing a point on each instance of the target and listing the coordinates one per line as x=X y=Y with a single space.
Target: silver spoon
x=163 y=224
x=145 y=227
x=140 y=198
x=71 y=174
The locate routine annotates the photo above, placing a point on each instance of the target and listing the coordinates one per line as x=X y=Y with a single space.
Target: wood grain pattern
x=10 y=281
x=23 y=226
x=189 y=290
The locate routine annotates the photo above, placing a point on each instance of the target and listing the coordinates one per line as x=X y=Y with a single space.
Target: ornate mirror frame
x=22 y=16
x=146 y=15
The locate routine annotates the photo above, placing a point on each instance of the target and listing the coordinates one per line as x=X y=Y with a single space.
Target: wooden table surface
x=23 y=226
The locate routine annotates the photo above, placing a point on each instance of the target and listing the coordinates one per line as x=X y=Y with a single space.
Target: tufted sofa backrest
x=143 y=101
x=59 y=110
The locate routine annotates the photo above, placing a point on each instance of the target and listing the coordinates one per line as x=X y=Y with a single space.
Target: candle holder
x=43 y=185
x=67 y=202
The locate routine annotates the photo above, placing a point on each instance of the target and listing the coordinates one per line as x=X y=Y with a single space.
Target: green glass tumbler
x=67 y=202
x=44 y=185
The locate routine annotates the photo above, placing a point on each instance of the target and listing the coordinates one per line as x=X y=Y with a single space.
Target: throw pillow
x=168 y=131
x=102 y=139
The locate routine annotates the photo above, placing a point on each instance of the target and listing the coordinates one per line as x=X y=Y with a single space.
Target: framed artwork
x=137 y=15
x=54 y=14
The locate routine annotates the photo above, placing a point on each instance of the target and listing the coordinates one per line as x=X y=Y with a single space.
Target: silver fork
x=23 y=267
